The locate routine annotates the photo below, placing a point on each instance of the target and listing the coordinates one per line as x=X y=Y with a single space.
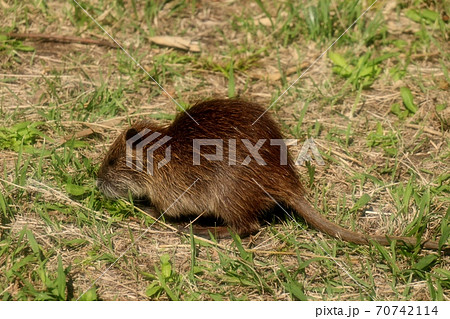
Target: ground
x=376 y=105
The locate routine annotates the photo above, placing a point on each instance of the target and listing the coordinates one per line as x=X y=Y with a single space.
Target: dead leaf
x=265 y=22
x=79 y=134
x=275 y=75
x=443 y=85
x=177 y=42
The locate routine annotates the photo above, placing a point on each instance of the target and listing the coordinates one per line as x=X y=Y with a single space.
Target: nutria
x=238 y=174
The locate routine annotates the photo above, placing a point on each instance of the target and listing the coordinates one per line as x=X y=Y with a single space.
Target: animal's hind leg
x=243 y=220
x=244 y=226
x=219 y=232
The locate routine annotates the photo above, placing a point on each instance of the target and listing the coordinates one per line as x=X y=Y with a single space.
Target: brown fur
x=237 y=194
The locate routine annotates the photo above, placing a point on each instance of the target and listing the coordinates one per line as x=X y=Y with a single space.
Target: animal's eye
x=111 y=161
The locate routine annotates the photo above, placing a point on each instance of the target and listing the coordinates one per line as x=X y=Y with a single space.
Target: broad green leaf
x=402 y=114
x=441 y=107
x=165 y=258
x=33 y=243
x=425 y=262
x=337 y=59
x=444 y=273
x=2 y=204
x=24 y=48
x=153 y=290
x=296 y=289
x=445 y=233
x=61 y=280
x=75 y=190
x=90 y=295
x=425 y=15
x=429 y=15
x=408 y=99
x=361 y=202
x=166 y=270
x=413 y=15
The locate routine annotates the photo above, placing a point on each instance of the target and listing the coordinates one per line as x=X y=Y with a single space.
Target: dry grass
x=57 y=84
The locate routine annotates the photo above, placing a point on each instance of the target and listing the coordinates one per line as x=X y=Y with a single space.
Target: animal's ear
x=133 y=137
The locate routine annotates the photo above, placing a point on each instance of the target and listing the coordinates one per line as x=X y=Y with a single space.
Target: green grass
x=376 y=105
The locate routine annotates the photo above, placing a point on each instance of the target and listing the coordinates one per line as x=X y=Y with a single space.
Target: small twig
x=425 y=129
x=7 y=288
x=188 y=225
x=424 y=55
x=61 y=39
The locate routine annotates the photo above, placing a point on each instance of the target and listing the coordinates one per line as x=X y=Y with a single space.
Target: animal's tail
x=318 y=221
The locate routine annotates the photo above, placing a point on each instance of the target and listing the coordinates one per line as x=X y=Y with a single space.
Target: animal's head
x=124 y=168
